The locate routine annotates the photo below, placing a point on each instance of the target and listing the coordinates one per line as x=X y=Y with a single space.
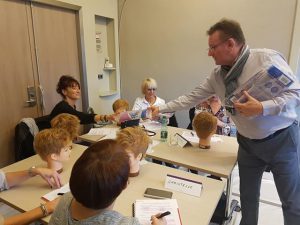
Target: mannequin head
x=120 y=105
x=53 y=146
x=205 y=125
x=68 y=122
x=135 y=142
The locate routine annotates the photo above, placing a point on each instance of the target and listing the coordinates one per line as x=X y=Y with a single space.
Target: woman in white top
x=149 y=87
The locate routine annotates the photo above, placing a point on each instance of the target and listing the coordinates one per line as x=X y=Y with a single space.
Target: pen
x=192 y=133
x=163 y=214
x=60 y=193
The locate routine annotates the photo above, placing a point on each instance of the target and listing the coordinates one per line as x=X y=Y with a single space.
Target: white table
x=219 y=160
x=28 y=195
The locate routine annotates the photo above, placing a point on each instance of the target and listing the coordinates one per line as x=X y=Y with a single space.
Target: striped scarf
x=231 y=74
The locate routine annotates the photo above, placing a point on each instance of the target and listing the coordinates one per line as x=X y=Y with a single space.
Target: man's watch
x=30 y=171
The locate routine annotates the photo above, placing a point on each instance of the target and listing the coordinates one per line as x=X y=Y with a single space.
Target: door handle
x=31 y=101
x=31 y=96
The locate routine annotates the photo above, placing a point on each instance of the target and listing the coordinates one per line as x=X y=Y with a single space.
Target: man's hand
x=50 y=176
x=251 y=107
x=154 y=110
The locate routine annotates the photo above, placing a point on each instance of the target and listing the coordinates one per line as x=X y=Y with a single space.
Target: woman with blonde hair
x=148 y=87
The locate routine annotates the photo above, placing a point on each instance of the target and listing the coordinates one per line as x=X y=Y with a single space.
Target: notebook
x=56 y=193
x=143 y=210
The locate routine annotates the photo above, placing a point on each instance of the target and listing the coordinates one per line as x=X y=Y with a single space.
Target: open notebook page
x=54 y=194
x=145 y=208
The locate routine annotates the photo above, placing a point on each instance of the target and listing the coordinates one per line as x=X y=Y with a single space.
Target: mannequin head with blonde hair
x=135 y=142
x=205 y=125
x=53 y=146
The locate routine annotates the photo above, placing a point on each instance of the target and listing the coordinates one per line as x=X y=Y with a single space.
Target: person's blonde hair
x=50 y=141
x=133 y=139
x=205 y=124
x=68 y=122
x=120 y=104
x=148 y=83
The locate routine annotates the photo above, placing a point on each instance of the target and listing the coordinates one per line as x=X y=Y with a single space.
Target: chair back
x=23 y=142
x=173 y=121
x=24 y=138
x=43 y=122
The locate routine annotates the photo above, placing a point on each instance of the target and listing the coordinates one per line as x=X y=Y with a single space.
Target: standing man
x=267 y=132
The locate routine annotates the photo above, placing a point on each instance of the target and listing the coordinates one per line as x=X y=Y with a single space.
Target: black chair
x=23 y=142
x=24 y=138
x=191 y=115
x=219 y=216
x=43 y=122
x=173 y=121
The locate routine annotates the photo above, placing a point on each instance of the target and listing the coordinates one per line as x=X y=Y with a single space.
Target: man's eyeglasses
x=151 y=89
x=213 y=47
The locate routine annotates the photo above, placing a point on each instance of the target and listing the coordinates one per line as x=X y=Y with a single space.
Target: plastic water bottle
x=232 y=130
x=164 y=129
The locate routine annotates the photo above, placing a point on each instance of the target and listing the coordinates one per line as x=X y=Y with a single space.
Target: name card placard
x=181 y=141
x=184 y=185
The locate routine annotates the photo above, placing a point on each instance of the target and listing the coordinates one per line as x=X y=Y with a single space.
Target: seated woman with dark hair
x=69 y=88
x=98 y=177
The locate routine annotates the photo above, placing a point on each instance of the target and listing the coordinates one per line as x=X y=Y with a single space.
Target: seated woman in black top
x=69 y=88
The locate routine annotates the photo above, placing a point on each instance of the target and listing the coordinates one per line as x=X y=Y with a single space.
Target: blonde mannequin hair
x=205 y=124
x=133 y=139
x=68 y=122
x=120 y=104
x=51 y=141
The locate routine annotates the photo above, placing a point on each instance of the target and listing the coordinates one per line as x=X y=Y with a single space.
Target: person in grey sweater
x=267 y=128
x=98 y=177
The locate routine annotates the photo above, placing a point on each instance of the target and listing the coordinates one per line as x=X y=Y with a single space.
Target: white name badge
x=184 y=185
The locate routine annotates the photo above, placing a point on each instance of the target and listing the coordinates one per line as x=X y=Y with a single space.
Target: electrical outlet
x=100 y=76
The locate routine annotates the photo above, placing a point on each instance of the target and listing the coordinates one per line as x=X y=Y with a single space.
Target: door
x=55 y=31
x=16 y=72
x=38 y=44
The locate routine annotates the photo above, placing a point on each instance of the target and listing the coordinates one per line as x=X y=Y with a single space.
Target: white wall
x=167 y=39
x=92 y=66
